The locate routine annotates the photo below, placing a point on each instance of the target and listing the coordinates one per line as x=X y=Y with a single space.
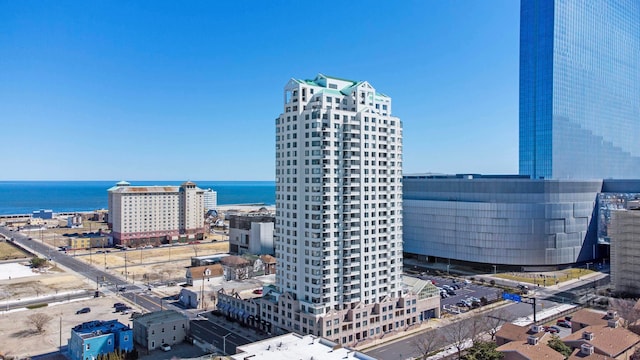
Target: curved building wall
x=500 y=220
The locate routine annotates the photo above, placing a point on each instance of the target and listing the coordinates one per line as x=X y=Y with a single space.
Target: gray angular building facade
x=502 y=220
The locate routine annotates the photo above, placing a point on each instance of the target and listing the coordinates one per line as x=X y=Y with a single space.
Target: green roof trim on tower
x=337 y=78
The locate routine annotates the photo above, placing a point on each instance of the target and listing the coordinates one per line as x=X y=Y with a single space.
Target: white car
x=165 y=347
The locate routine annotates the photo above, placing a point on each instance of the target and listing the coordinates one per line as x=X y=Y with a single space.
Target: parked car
x=83 y=311
x=563 y=323
x=165 y=347
x=122 y=308
x=117 y=305
x=451 y=292
x=557 y=329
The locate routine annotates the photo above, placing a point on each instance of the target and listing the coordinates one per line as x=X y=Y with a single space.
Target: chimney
x=536 y=329
x=532 y=340
x=586 y=349
x=612 y=323
x=587 y=335
x=612 y=314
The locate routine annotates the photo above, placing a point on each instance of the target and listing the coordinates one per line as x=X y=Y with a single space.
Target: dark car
x=116 y=305
x=122 y=307
x=563 y=323
x=451 y=292
x=83 y=311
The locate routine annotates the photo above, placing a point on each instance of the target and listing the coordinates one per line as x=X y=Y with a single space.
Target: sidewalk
x=430 y=324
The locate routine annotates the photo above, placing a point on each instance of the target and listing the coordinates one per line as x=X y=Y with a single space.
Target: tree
x=556 y=344
x=38 y=320
x=483 y=350
x=37 y=262
x=428 y=342
x=477 y=327
x=459 y=334
x=627 y=310
x=495 y=319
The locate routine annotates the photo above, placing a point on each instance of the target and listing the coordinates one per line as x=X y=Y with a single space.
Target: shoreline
x=220 y=207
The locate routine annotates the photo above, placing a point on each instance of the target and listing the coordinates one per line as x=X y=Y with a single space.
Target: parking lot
x=461 y=292
x=19 y=338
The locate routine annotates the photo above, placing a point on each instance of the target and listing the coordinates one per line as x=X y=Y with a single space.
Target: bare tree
x=428 y=342
x=458 y=334
x=477 y=327
x=38 y=320
x=627 y=311
x=495 y=319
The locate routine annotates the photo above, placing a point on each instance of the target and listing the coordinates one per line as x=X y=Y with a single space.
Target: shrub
x=36 y=306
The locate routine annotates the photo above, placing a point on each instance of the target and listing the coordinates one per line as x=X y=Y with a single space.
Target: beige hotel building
x=153 y=215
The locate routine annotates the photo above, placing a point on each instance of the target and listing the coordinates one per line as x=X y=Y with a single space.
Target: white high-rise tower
x=338 y=231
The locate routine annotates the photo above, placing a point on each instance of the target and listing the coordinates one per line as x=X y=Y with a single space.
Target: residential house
x=94 y=338
x=161 y=327
x=203 y=272
x=610 y=340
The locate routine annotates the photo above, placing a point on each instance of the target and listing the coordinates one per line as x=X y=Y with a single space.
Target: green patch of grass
x=546 y=278
x=37 y=306
x=10 y=252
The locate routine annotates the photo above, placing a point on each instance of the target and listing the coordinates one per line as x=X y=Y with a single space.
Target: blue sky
x=154 y=90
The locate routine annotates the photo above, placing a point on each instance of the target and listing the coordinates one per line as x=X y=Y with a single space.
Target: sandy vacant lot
x=155 y=264
x=19 y=339
x=38 y=284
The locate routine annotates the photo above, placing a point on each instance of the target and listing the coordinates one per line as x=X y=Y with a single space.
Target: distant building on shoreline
x=210 y=199
x=153 y=215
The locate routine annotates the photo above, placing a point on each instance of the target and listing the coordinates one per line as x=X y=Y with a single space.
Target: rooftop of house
x=98 y=327
x=605 y=339
x=512 y=332
x=234 y=261
x=527 y=351
x=589 y=317
x=158 y=317
x=204 y=271
x=577 y=354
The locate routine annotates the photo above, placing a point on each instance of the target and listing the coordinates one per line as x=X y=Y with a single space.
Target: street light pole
x=224 y=344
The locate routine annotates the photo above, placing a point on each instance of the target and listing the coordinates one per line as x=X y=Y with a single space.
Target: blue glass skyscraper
x=580 y=89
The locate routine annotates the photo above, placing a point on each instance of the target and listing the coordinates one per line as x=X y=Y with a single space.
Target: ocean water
x=23 y=197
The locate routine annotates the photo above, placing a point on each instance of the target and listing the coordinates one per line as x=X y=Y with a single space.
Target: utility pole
x=60 y=347
x=224 y=344
x=125 y=266
x=531 y=301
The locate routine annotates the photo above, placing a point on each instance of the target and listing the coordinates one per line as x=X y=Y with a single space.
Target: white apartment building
x=338 y=230
x=151 y=215
x=210 y=199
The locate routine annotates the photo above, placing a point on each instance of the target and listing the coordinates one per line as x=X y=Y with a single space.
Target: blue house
x=91 y=339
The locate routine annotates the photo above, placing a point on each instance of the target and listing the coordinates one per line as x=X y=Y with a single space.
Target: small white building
x=251 y=233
